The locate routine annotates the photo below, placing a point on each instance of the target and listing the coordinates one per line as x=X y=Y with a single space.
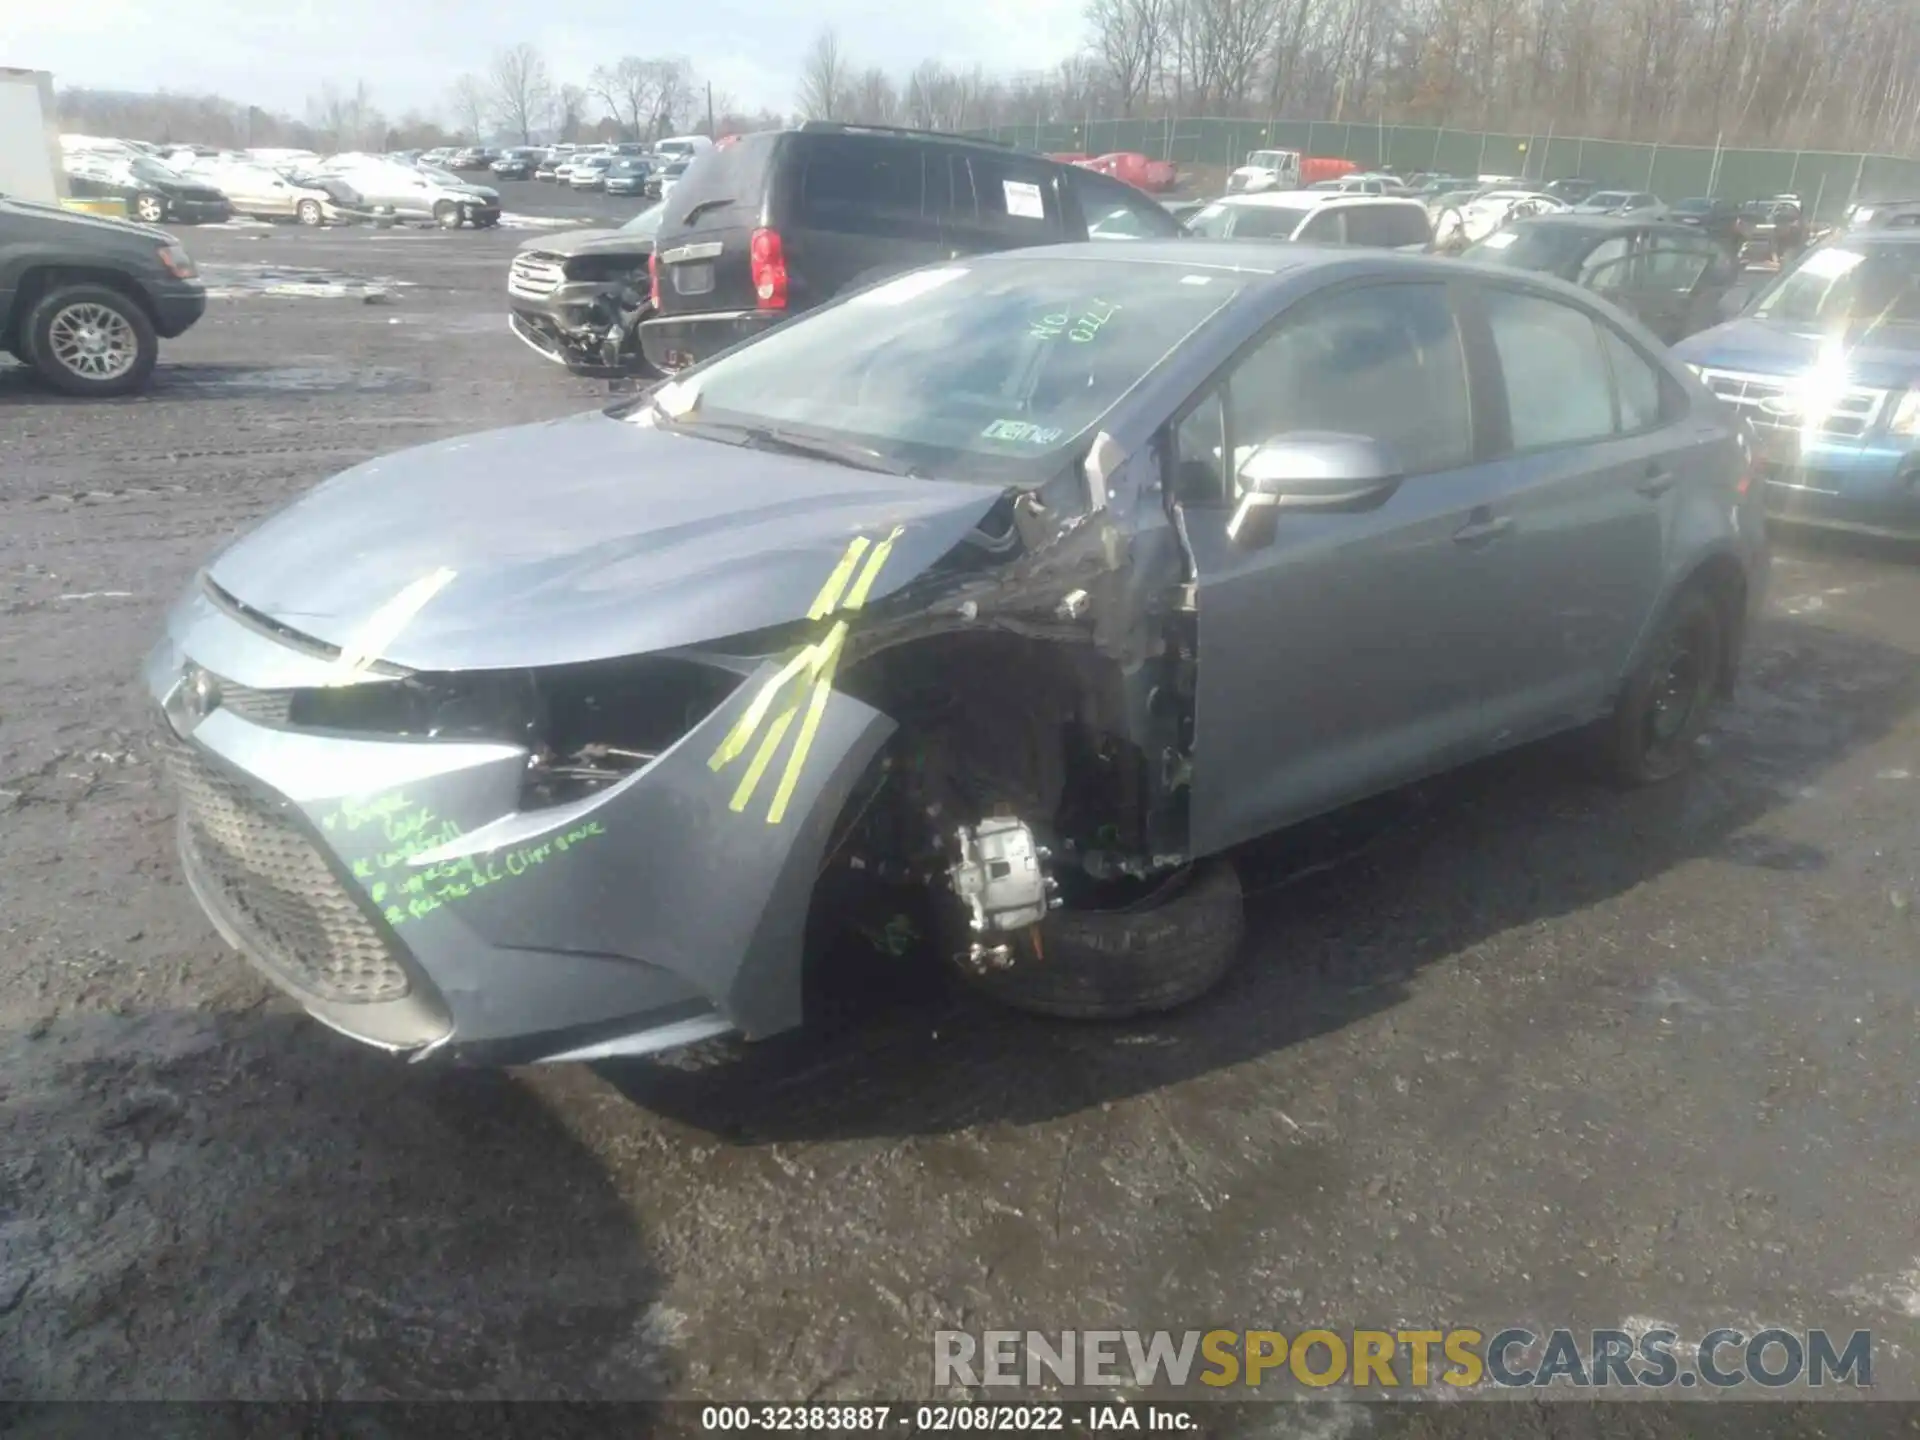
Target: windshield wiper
x=842 y=452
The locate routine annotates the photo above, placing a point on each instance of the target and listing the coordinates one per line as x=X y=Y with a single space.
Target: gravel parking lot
x=1508 y=1049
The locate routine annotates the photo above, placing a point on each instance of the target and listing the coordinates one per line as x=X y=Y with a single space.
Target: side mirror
x=1309 y=470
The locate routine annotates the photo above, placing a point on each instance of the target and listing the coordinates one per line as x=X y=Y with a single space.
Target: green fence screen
x=1826 y=181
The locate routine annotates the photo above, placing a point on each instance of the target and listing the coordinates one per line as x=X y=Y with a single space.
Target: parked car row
x=200 y=184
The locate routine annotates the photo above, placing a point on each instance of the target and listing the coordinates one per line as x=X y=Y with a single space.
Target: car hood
x=577 y=540
x=1886 y=358
x=65 y=219
x=1252 y=170
x=590 y=242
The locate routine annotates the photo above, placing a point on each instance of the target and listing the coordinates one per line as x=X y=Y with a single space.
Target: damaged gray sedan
x=1030 y=584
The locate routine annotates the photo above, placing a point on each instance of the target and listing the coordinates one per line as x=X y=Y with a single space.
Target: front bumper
x=394 y=889
x=199 y=212
x=626 y=187
x=177 y=311
x=1871 y=488
x=674 y=342
x=569 y=325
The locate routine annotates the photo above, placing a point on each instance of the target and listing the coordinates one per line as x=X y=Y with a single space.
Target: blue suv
x=1825 y=362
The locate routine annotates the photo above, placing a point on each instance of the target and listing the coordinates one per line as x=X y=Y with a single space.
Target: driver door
x=1357 y=650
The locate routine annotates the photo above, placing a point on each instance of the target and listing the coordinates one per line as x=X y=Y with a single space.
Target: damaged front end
x=581 y=307
x=549 y=855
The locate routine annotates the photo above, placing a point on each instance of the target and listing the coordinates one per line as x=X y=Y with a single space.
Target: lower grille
x=272 y=886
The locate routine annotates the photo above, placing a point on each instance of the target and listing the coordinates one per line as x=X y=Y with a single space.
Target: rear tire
x=1159 y=953
x=1668 y=699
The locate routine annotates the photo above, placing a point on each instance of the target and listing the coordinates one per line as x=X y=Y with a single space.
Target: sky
x=275 y=53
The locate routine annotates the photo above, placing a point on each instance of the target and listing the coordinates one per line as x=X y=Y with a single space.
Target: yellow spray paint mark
x=385 y=624
x=808 y=678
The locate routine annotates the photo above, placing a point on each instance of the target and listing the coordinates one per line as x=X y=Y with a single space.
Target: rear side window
x=1327 y=227
x=1559 y=389
x=1636 y=382
x=723 y=188
x=1018 y=201
x=1114 y=210
x=861 y=184
x=1264 y=222
x=1388 y=225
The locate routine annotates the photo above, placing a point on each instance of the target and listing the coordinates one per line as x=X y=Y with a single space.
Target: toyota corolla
x=1032 y=584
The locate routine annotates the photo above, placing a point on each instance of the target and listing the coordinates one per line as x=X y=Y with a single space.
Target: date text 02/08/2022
x=939 y=1418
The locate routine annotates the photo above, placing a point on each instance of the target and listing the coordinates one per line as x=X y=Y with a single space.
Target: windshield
x=964 y=370
x=627 y=167
x=1606 y=200
x=1268 y=159
x=1845 y=285
x=1555 y=249
x=445 y=177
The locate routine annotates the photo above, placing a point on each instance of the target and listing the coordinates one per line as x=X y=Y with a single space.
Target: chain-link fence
x=1826 y=181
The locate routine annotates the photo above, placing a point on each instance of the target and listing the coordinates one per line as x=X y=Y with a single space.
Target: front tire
x=1164 y=950
x=446 y=215
x=92 y=341
x=149 y=208
x=1668 y=699
x=308 y=212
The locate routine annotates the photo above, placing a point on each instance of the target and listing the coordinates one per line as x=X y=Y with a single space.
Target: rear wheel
x=1167 y=947
x=1669 y=698
x=90 y=340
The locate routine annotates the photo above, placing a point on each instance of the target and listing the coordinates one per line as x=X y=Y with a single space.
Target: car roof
x=1603 y=224
x=1309 y=199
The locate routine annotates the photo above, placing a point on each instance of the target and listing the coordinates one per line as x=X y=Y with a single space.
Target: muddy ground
x=1511 y=1049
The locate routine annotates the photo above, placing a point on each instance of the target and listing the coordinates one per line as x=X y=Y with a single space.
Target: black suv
x=85 y=301
x=784 y=220
x=1715 y=217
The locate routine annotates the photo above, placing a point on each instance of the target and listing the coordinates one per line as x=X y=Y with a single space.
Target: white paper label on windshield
x=909 y=287
x=1502 y=240
x=1830 y=264
x=1024 y=199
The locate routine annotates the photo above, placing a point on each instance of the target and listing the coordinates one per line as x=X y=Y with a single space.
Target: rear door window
x=862 y=185
x=1326 y=227
x=1387 y=225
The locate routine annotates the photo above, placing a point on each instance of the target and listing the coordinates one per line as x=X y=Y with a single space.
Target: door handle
x=1657 y=483
x=1475 y=532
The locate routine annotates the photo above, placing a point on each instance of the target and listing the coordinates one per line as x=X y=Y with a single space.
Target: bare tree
x=347 y=119
x=872 y=99
x=568 y=110
x=824 y=81
x=630 y=89
x=674 y=86
x=521 y=90
x=469 y=103
x=1127 y=38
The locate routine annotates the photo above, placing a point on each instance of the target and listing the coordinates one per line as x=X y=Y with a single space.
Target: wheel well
x=1724 y=582
x=38 y=282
